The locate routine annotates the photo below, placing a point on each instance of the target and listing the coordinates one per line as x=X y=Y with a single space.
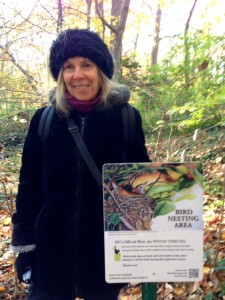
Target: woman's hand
x=23 y=264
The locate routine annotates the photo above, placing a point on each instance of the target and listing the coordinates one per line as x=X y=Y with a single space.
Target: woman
x=58 y=226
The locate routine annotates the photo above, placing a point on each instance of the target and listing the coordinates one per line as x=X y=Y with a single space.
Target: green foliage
x=222 y=289
x=203 y=105
x=167 y=103
x=215 y=187
x=221 y=265
x=209 y=296
x=18 y=103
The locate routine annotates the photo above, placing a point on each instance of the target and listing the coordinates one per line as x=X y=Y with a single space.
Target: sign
x=153 y=215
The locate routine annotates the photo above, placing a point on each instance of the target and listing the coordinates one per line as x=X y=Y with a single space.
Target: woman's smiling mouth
x=81 y=86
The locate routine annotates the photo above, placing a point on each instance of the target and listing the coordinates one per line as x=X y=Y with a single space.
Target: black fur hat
x=80 y=42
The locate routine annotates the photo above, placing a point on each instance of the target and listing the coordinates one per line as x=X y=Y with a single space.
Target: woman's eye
x=67 y=67
x=87 y=65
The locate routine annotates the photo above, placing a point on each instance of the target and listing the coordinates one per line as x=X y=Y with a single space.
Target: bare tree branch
x=30 y=79
x=44 y=29
x=47 y=10
x=113 y=29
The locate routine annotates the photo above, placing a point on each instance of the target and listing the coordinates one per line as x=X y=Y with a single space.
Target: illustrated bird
x=124 y=190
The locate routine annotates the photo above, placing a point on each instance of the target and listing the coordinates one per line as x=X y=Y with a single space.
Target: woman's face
x=81 y=77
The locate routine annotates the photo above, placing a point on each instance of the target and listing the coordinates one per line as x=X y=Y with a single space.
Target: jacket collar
x=118 y=96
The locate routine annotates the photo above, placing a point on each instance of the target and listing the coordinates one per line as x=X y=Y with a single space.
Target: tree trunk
x=119 y=31
x=187 y=66
x=89 y=2
x=116 y=9
x=60 y=17
x=156 y=39
x=119 y=15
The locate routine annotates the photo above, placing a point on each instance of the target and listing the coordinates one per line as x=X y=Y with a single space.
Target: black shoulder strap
x=45 y=122
x=74 y=130
x=128 y=116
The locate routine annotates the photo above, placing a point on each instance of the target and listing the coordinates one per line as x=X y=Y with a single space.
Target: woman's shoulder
x=45 y=110
x=39 y=113
x=118 y=96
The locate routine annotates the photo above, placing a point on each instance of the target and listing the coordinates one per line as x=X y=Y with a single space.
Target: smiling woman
x=83 y=67
x=81 y=77
x=58 y=226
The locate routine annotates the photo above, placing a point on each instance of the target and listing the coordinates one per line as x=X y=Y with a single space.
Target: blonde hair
x=62 y=104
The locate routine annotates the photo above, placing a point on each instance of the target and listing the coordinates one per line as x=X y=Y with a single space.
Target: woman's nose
x=78 y=73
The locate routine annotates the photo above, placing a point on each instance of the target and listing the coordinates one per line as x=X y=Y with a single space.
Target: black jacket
x=60 y=206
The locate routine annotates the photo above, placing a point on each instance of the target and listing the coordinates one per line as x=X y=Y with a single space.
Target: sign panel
x=153 y=214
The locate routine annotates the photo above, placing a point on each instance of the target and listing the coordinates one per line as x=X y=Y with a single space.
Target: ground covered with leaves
x=209 y=148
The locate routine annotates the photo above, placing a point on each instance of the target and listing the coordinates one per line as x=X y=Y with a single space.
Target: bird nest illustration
x=134 y=194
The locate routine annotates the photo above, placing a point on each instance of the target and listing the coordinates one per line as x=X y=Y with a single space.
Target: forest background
x=170 y=53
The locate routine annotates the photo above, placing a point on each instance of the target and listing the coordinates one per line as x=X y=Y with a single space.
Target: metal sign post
x=149 y=291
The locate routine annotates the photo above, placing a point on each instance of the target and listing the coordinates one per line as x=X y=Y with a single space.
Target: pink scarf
x=82 y=106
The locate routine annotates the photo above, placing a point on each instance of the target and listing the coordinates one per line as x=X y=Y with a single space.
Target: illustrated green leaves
x=164 y=207
x=186 y=197
x=115 y=219
x=157 y=190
